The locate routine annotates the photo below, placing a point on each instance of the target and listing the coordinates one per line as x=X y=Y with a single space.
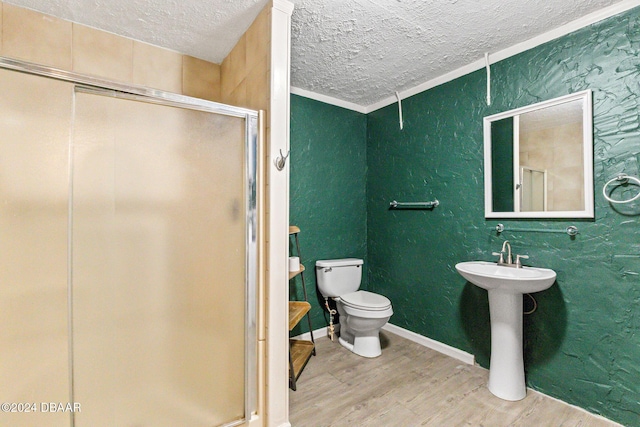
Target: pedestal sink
x=505 y=285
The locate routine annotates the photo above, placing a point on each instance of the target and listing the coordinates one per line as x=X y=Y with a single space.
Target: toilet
x=362 y=313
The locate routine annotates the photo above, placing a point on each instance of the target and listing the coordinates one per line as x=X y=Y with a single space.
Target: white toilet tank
x=338 y=277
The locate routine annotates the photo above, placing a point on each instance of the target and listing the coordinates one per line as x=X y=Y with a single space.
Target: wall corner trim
x=458 y=354
x=283 y=6
x=277 y=192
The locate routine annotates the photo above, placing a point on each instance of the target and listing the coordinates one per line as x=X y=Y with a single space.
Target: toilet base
x=360 y=329
x=346 y=344
x=365 y=346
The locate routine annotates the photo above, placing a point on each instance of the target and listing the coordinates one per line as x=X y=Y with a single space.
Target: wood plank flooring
x=411 y=385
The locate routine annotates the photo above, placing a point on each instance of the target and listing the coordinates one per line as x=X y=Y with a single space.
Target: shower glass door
x=158 y=265
x=127 y=255
x=35 y=115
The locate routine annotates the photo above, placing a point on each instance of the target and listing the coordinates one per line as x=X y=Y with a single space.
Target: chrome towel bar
x=571 y=230
x=413 y=205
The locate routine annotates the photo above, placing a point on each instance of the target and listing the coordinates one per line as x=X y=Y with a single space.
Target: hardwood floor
x=411 y=385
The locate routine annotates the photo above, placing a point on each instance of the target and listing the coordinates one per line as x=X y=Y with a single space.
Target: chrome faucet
x=506 y=248
x=506 y=244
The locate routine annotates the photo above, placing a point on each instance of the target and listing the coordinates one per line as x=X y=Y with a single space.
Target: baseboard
x=458 y=354
x=317 y=333
x=462 y=356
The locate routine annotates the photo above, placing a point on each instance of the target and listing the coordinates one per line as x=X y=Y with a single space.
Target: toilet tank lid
x=343 y=262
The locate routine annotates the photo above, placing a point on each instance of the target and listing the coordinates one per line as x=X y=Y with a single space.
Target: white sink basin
x=505 y=286
x=489 y=275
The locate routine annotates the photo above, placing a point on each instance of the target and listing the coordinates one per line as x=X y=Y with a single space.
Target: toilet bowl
x=362 y=313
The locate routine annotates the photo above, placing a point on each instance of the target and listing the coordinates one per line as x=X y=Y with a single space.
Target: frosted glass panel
x=158 y=277
x=34 y=357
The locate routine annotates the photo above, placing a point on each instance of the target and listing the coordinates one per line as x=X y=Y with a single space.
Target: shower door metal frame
x=104 y=87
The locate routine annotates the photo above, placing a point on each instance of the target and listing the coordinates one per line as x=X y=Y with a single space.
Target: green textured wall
x=582 y=344
x=328 y=203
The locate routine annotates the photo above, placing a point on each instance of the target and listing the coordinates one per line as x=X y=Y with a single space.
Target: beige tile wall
x=147 y=59
x=102 y=54
x=35 y=37
x=245 y=72
x=45 y=40
x=201 y=78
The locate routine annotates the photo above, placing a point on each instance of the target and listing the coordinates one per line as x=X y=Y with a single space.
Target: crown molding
x=328 y=100
x=516 y=49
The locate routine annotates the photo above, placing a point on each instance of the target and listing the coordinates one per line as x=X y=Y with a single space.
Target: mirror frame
x=587 y=131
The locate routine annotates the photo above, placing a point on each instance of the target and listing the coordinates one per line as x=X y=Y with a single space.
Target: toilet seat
x=365 y=300
x=366 y=305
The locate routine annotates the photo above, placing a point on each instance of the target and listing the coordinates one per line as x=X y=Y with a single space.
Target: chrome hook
x=281 y=160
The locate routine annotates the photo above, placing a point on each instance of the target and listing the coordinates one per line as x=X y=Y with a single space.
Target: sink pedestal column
x=506 y=372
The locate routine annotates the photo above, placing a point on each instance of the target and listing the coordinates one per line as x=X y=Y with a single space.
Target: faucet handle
x=518 y=258
x=501 y=255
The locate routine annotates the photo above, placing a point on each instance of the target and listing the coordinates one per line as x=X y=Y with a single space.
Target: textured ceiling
x=360 y=51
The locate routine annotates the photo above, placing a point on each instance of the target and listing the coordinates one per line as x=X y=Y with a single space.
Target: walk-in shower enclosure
x=127 y=254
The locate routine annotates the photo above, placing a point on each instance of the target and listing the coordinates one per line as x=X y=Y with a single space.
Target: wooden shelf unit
x=293 y=274
x=300 y=351
x=297 y=310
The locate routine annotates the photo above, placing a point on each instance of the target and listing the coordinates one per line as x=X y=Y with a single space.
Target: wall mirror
x=538 y=160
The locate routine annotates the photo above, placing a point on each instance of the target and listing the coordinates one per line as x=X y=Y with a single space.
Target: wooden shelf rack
x=300 y=351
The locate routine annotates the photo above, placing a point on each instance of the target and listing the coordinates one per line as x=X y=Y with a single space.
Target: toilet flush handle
x=328 y=270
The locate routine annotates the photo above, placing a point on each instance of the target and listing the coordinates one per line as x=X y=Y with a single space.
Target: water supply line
x=535 y=304
x=332 y=312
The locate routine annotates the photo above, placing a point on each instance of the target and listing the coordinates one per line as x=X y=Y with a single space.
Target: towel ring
x=623 y=178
